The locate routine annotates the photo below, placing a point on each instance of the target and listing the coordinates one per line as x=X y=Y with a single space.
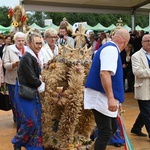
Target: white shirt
x=69 y=41
x=95 y=99
x=47 y=53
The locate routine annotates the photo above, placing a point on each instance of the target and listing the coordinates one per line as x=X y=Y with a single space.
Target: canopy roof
x=93 y=6
x=99 y=27
x=138 y=28
x=4 y=29
x=111 y=27
x=51 y=26
x=127 y=27
x=147 y=29
x=34 y=25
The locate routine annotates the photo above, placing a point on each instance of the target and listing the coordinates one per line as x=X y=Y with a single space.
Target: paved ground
x=7 y=127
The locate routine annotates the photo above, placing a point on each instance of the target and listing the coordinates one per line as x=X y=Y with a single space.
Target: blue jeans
x=107 y=126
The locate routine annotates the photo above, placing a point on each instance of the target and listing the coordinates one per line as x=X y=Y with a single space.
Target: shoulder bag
x=27 y=92
x=5 y=103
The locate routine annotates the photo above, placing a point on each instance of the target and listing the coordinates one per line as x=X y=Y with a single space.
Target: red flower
x=25 y=138
x=23 y=18
x=10 y=12
x=40 y=139
x=30 y=123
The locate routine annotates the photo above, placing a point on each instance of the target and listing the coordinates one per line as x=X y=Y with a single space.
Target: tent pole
x=133 y=20
x=149 y=22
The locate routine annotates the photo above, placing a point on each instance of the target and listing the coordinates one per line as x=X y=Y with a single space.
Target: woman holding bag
x=29 y=134
x=11 y=58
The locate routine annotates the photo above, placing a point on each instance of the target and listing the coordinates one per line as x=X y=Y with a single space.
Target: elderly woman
x=28 y=108
x=50 y=49
x=13 y=54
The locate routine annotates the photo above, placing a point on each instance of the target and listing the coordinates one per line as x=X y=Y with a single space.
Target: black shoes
x=117 y=144
x=17 y=147
x=128 y=90
x=138 y=133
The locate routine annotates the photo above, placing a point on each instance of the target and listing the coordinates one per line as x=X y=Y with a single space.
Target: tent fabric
x=147 y=29
x=51 y=26
x=108 y=6
x=4 y=29
x=99 y=27
x=127 y=27
x=111 y=27
x=34 y=25
x=88 y=27
x=138 y=28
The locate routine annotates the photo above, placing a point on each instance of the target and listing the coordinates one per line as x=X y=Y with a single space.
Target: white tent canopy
x=127 y=27
x=138 y=28
x=147 y=29
x=93 y=6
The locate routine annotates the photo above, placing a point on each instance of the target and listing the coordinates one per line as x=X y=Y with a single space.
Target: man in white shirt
x=104 y=87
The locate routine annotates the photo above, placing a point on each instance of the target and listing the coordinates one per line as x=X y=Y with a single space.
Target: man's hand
x=65 y=38
x=112 y=105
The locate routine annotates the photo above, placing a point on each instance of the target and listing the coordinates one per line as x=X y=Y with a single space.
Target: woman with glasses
x=29 y=110
x=50 y=49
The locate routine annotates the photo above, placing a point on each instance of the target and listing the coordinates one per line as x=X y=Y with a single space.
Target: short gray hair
x=49 y=31
x=18 y=35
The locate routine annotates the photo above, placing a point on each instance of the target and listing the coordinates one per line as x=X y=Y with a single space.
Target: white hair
x=18 y=35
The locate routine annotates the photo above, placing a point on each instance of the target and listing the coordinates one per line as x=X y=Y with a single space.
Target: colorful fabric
x=128 y=144
x=28 y=119
x=11 y=91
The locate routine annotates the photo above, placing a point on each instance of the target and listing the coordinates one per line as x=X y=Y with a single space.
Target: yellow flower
x=15 y=24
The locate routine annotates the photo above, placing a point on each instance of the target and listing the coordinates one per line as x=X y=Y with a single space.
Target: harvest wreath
x=66 y=125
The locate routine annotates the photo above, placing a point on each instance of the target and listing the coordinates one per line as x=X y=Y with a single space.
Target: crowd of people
x=23 y=56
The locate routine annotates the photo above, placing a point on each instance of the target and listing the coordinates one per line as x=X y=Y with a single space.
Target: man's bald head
x=123 y=33
x=121 y=38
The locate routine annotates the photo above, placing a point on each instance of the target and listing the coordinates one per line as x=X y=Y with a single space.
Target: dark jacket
x=1 y=50
x=123 y=59
x=28 y=71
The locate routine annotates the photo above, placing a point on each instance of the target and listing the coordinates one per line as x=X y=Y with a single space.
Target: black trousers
x=144 y=116
x=107 y=126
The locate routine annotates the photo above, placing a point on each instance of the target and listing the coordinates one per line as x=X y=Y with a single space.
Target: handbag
x=27 y=92
x=5 y=103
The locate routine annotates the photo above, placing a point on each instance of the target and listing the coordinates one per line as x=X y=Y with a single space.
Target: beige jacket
x=141 y=71
x=11 y=55
x=1 y=72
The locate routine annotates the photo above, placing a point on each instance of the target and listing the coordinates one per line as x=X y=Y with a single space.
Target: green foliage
x=4 y=20
x=142 y=21
x=93 y=19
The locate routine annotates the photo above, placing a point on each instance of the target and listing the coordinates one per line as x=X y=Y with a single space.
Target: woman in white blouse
x=50 y=49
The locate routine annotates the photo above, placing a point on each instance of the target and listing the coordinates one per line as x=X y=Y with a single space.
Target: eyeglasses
x=147 y=41
x=52 y=37
x=38 y=43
